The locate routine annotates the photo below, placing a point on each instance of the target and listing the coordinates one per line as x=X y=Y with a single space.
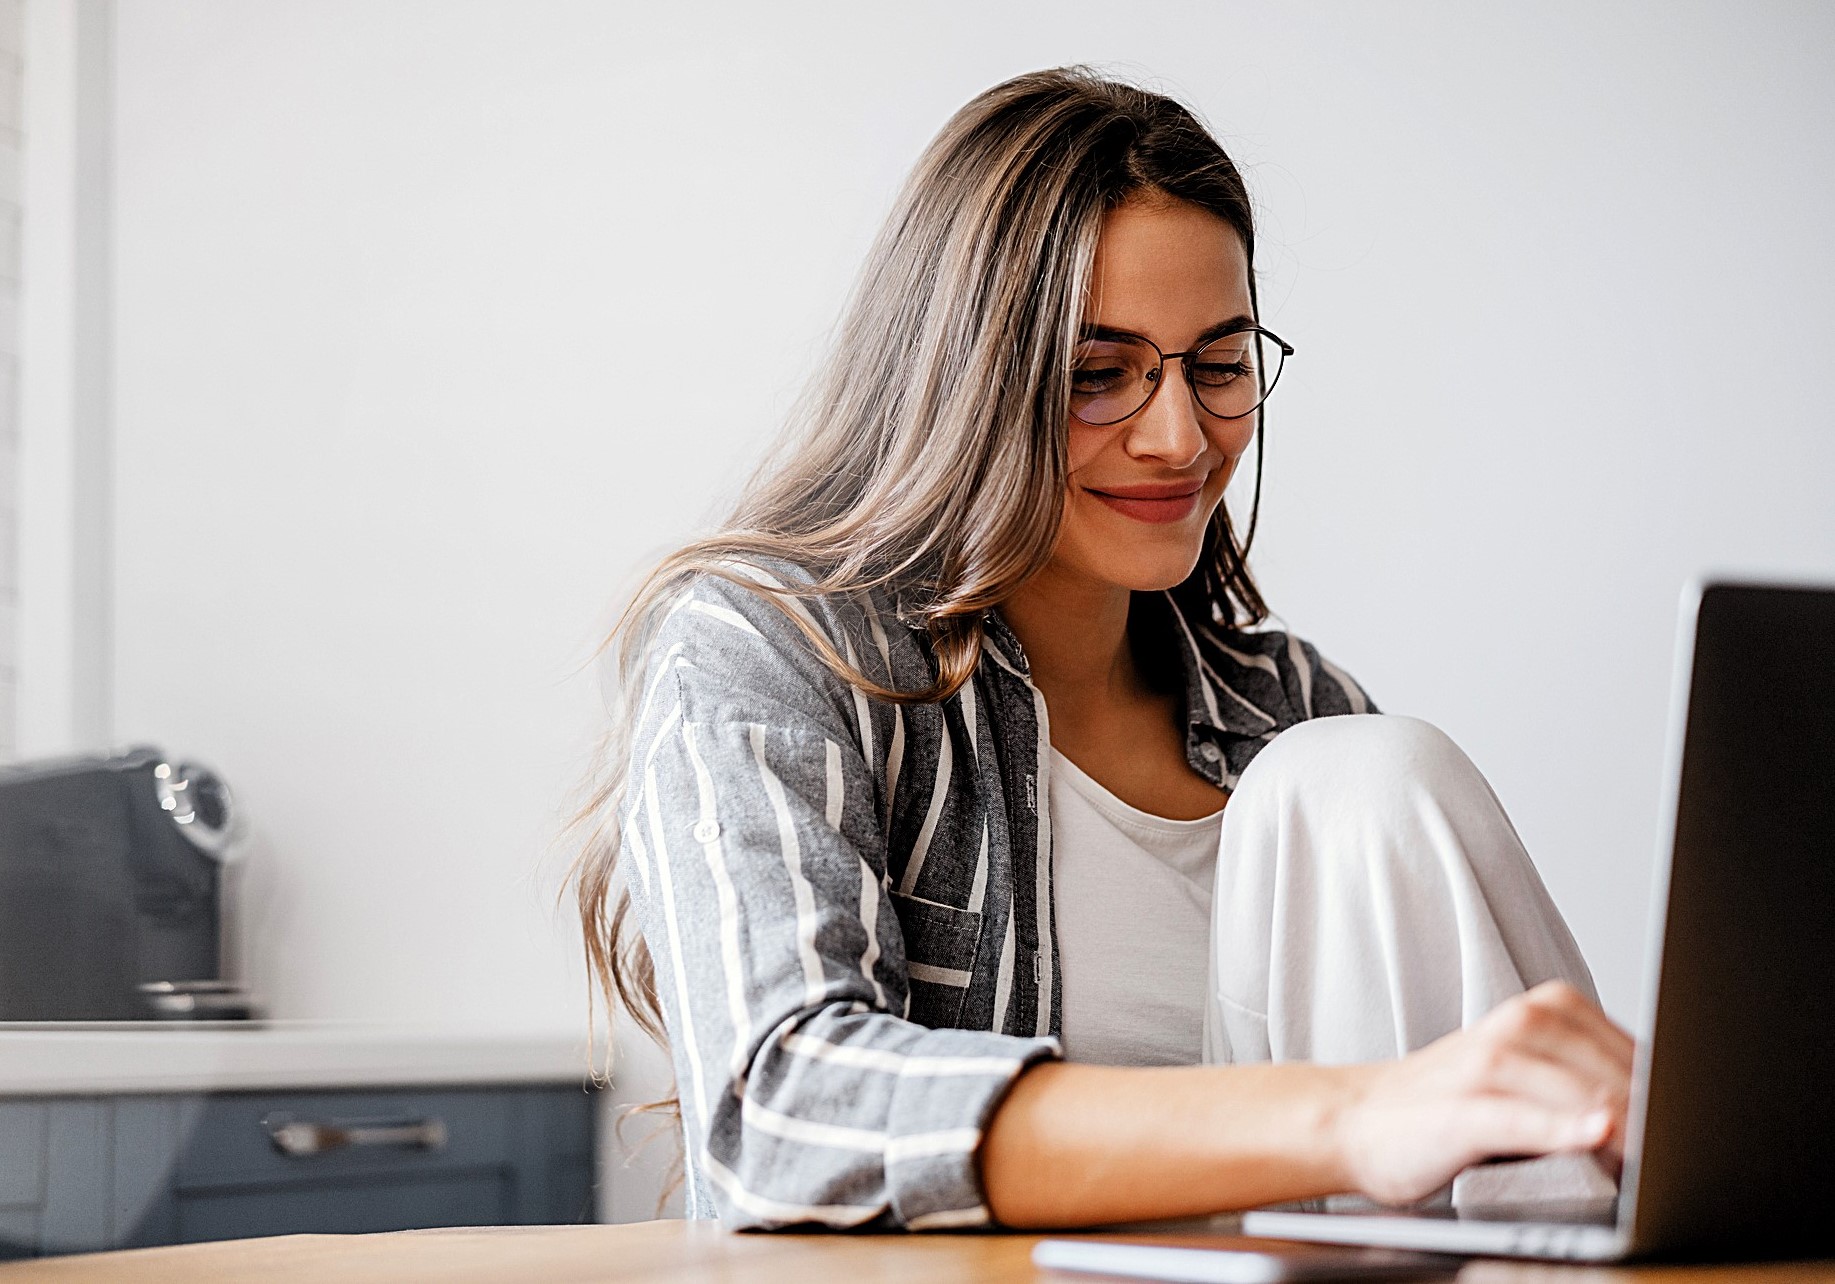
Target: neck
x=1075 y=632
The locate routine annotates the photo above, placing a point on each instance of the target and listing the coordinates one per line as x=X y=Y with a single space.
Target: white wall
x=11 y=135
x=66 y=590
x=1557 y=274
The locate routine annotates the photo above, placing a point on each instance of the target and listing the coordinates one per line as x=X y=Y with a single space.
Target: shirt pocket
x=941 y=944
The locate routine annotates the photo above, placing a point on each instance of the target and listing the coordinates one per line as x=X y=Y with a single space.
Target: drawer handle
x=305 y=1139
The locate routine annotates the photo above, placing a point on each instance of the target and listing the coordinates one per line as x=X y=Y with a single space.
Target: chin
x=1148 y=572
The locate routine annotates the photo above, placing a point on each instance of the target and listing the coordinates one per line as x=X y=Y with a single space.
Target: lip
x=1166 y=502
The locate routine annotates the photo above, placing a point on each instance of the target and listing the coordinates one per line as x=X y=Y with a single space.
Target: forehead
x=1167 y=270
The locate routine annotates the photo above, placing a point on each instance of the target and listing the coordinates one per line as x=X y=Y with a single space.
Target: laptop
x=1730 y=1144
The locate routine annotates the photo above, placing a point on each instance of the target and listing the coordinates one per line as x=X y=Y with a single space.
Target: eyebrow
x=1217 y=331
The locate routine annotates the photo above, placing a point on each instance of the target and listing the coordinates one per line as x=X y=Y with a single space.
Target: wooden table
x=676 y=1250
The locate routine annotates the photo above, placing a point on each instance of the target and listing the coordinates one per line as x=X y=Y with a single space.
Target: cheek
x=1083 y=444
x=1234 y=436
x=1082 y=449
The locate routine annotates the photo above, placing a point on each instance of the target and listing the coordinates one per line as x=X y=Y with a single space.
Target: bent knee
x=1374 y=751
x=1379 y=792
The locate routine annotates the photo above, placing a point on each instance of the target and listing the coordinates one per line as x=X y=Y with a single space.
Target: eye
x=1214 y=372
x=1101 y=366
x=1095 y=378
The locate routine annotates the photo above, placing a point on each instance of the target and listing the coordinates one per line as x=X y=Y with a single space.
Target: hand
x=1541 y=1072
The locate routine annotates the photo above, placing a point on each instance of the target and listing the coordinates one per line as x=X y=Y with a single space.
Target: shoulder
x=746 y=639
x=764 y=606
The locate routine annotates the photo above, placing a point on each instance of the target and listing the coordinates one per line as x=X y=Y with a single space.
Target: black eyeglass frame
x=1154 y=376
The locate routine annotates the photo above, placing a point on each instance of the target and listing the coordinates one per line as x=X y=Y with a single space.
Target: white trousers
x=1371 y=896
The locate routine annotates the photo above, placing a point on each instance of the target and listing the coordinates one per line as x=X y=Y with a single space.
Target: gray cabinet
x=86 y=1173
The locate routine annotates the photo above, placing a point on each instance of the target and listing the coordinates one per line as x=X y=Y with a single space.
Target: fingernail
x=1597 y=1121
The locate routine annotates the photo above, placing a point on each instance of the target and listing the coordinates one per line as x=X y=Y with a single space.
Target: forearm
x=1078 y=1145
x=1075 y=1145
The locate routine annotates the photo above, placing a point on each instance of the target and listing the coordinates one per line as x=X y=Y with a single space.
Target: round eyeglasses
x=1116 y=376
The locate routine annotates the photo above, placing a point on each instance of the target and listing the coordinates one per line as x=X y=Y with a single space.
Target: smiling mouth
x=1155 y=496
x=1155 y=510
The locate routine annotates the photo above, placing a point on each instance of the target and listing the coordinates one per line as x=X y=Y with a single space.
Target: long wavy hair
x=926 y=458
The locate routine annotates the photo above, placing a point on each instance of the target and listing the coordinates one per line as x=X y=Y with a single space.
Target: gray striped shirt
x=849 y=902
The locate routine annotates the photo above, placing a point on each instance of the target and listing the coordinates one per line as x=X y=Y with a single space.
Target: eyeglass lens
x=1114 y=377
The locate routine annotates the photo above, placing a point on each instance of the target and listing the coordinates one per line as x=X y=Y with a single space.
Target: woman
x=935 y=755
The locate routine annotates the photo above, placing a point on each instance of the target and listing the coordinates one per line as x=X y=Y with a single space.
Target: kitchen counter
x=72 y=1058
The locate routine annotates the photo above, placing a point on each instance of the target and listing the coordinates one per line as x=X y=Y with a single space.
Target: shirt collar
x=1210 y=703
x=1211 y=707
x=999 y=635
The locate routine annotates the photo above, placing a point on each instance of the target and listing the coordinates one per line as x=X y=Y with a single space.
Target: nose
x=1168 y=427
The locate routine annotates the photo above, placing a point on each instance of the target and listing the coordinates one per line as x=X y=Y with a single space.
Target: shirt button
x=705 y=831
x=1209 y=752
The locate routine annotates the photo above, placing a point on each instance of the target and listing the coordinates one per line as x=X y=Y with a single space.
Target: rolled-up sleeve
x=757 y=866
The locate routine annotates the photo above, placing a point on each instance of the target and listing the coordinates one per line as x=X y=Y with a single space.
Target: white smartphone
x=1238 y=1266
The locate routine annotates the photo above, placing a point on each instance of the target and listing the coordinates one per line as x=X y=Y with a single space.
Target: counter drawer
x=22 y=1153
x=80 y=1174
x=254 y=1137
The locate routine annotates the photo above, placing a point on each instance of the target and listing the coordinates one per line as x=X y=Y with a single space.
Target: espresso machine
x=111 y=878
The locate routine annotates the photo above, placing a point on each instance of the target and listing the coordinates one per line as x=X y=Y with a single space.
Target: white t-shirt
x=1132 y=896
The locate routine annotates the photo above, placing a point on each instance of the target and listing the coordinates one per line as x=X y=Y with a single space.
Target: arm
x=758 y=873
x=1544 y=1071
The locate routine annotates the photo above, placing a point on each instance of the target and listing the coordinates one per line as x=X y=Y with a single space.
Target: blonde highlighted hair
x=926 y=459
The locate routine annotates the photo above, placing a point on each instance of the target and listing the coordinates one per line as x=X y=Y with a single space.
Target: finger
x=1607 y=1063
x=1602 y=1044
x=1546 y=1082
x=1574 y=1009
x=1534 y=1024
x=1612 y=1154
x=1490 y=1126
